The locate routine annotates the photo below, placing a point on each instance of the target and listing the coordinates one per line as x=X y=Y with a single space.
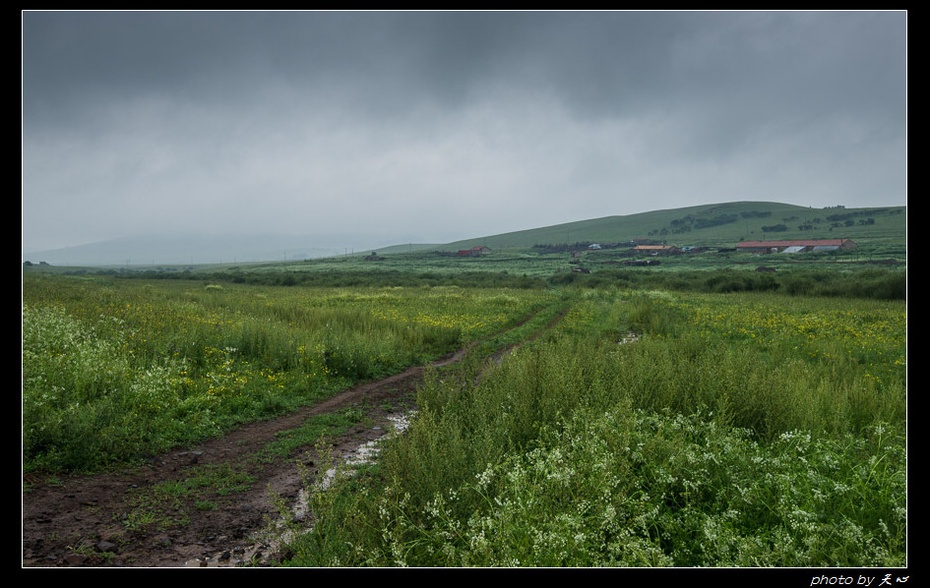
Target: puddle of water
x=365 y=453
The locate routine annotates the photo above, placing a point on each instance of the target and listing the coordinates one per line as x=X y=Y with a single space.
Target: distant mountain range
x=706 y=225
x=187 y=249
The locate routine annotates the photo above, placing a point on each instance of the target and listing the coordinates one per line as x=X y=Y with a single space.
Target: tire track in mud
x=80 y=521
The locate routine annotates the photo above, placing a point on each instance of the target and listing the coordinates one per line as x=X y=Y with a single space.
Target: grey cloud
x=304 y=119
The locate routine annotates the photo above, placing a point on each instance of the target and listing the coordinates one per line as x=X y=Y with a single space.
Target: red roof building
x=476 y=251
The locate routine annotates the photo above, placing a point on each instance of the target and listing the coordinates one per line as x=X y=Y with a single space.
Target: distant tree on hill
x=774 y=228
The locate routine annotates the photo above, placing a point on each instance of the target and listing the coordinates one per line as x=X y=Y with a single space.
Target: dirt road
x=80 y=521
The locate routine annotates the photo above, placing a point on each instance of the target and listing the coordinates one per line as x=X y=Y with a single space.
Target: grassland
x=740 y=430
x=693 y=413
x=117 y=369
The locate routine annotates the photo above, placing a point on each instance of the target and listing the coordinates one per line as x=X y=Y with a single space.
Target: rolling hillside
x=715 y=225
x=711 y=225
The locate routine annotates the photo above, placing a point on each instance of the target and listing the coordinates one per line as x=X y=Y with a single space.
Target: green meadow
x=699 y=413
x=116 y=370
x=649 y=429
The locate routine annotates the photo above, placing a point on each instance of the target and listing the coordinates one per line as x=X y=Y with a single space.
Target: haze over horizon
x=440 y=126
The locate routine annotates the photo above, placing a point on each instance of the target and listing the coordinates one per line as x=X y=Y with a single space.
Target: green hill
x=713 y=225
x=879 y=233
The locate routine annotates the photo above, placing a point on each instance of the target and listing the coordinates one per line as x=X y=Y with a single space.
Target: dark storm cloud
x=598 y=64
x=72 y=60
x=238 y=116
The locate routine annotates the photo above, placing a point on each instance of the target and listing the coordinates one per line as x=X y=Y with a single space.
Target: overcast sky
x=439 y=126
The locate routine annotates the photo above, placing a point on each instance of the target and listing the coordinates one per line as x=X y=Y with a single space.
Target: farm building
x=795 y=246
x=655 y=249
x=476 y=251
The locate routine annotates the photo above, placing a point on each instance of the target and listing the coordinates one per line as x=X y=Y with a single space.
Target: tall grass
x=633 y=488
x=695 y=445
x=647 y=428
x=117 y=370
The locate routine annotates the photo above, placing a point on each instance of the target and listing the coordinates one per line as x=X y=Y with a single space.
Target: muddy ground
x=79 y=521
